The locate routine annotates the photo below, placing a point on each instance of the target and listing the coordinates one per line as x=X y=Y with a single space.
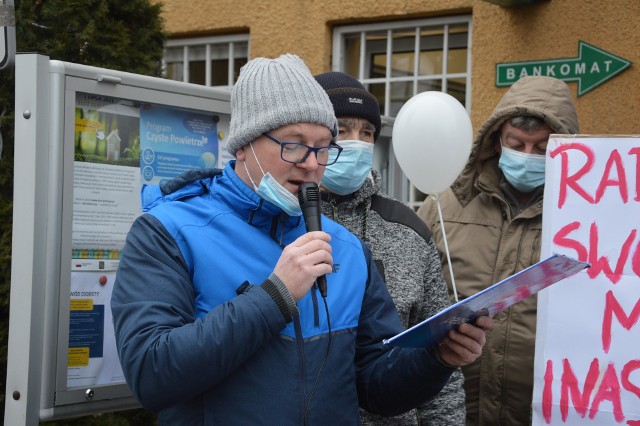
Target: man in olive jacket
x=492 y=216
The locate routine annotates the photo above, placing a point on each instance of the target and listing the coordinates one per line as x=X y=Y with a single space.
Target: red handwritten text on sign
x=614 y=174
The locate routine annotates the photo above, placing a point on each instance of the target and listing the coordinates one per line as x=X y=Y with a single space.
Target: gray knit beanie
x=271 y=93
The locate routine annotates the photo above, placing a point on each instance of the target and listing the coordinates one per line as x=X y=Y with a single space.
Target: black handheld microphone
x=309 y=198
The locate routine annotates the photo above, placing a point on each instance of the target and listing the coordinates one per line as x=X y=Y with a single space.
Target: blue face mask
x=271 y=190
x=525 y=172
x=353 y=166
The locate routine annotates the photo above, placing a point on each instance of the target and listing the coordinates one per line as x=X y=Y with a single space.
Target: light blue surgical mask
x=348 y=174
x=525 y=172
x=271 y=190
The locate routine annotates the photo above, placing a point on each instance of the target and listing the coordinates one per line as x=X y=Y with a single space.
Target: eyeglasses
x=295 y=152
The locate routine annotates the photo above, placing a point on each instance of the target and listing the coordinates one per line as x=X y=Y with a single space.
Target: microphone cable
x=309 y=199
x=324 y=361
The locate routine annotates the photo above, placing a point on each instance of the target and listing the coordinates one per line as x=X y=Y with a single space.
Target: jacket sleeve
x=448 y=407
x=167 y=354
x=391 y=382
x=429 y=214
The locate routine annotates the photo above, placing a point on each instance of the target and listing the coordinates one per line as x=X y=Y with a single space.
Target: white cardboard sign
x=587 y=365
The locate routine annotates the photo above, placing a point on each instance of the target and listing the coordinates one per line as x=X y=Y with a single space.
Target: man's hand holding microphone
x=308 y=259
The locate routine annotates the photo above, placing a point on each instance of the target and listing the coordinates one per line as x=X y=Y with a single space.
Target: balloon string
x=446 y=247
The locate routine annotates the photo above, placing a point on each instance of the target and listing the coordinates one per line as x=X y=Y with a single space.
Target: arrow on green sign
x=590 y=69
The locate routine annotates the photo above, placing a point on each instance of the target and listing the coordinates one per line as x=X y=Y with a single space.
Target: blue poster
x=173 y=141
x=86 y=330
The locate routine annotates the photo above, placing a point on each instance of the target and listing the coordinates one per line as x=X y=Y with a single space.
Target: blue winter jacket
x=202 y=342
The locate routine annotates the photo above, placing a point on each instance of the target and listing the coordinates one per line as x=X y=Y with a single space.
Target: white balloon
x=432 y=138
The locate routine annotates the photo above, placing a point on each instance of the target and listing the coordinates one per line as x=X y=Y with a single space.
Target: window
x=398 y=60
x=211 y=61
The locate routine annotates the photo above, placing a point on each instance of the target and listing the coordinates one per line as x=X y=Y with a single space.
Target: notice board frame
x=45 y=95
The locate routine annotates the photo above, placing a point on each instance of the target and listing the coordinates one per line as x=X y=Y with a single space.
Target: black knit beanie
x=350 y=98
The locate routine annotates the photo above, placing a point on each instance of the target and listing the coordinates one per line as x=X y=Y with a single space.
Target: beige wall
x=548 y=30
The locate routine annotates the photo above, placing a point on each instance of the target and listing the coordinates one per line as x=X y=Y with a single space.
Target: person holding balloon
x=489 y=222
x=402 y=247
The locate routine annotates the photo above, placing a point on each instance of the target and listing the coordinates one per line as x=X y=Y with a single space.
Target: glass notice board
x=87 y=139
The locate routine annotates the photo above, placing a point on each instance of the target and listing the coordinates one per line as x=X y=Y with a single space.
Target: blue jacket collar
x=245 y=202
x=227 y=188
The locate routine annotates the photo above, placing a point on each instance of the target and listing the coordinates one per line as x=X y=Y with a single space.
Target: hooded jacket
x=204 y=339
x=491 y=238
x=408 y=260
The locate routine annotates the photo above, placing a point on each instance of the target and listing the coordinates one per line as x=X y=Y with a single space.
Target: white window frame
x=208 y=42
x=398 y=186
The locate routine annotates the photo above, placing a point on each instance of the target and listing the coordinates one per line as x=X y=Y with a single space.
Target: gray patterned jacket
x=408 y=260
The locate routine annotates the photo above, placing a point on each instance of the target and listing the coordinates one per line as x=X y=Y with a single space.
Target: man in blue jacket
x=216 y=315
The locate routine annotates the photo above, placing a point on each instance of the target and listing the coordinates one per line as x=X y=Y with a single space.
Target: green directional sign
x=591 y=68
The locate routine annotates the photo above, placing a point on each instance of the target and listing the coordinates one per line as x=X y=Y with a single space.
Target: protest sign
x=587 y=365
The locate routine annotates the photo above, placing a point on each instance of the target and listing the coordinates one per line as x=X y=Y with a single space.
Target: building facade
x=471 y=49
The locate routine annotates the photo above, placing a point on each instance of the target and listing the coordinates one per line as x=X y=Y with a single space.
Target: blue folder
x=489 y=301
